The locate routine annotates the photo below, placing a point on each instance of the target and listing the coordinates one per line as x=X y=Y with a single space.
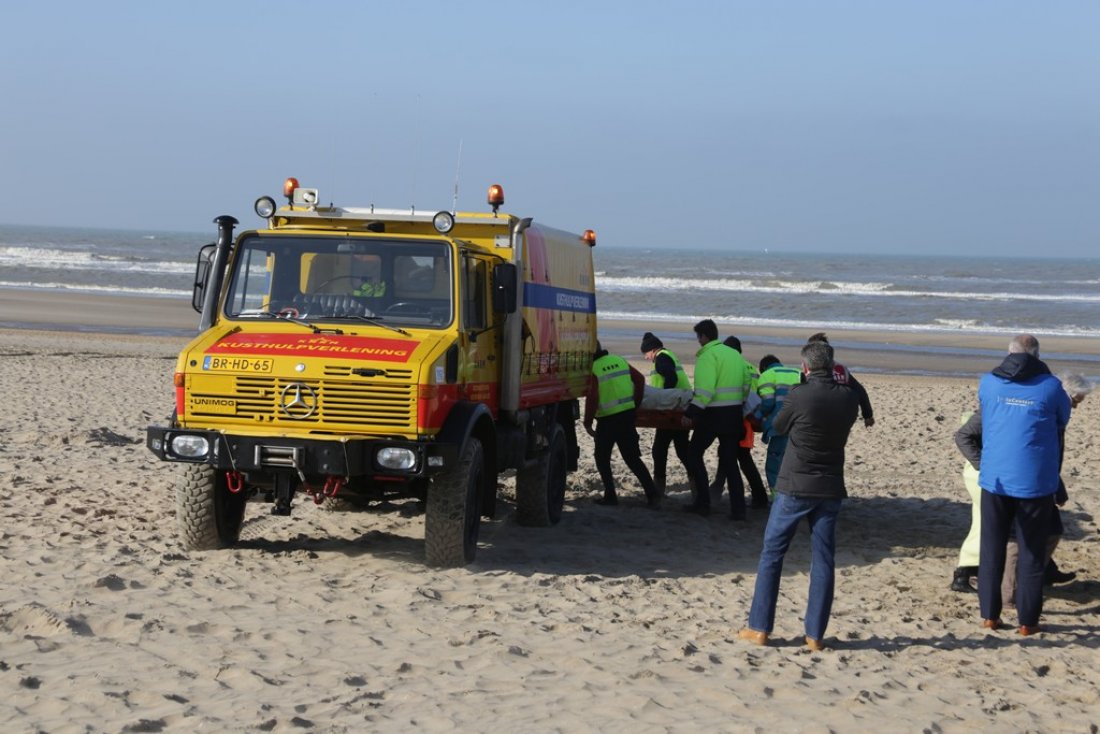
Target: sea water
x=820 y=292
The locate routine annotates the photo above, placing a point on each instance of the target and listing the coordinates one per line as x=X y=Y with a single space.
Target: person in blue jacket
x=1024 y=411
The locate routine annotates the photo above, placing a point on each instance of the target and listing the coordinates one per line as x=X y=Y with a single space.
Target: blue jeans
x=783 y=521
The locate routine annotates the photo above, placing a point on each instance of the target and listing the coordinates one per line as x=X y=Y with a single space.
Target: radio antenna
x=458 y=167
x=416 y=151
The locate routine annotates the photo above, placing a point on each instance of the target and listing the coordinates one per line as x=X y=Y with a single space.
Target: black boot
x=961 y=580
x=1053 y=576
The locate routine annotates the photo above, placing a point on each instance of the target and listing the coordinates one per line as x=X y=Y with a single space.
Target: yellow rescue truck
x=374 y=354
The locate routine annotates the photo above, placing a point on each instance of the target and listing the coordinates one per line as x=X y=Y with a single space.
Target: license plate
x=237 y=364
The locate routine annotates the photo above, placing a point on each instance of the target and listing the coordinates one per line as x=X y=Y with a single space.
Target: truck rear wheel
x=208 y=514
x=540 y=489
x=453 y=514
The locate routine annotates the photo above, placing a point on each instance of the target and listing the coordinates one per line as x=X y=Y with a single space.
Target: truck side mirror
x=504 y=288
x=202 y=275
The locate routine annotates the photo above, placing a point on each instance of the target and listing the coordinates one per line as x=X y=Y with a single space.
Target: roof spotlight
x=589 y=237
x=443 y=222
x=265 y=207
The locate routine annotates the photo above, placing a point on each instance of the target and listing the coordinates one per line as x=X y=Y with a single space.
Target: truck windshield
x=392 y=282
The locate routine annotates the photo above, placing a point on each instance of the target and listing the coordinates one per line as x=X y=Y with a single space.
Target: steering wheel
x=408 y=308
x=335 y=279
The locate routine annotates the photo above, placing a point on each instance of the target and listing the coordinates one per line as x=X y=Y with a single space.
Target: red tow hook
x=333 y=484
x=317 y=497
x=234 y=481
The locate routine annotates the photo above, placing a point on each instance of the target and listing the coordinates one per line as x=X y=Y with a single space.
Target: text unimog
x=374 y=354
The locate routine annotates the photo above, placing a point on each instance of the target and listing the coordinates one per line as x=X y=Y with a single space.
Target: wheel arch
x=474 y=419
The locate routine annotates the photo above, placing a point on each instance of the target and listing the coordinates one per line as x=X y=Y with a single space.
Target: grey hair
x=1076 y=384
x=1024 y=343
x=817 y=356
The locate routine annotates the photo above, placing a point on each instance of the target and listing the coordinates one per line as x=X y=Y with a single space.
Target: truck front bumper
x=358 y=457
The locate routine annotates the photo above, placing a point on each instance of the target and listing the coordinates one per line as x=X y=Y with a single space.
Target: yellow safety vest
x=616 y=389
x=370 y=290
x=656 y=379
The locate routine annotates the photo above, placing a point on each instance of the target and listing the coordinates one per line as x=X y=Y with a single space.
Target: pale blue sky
x=863 y=126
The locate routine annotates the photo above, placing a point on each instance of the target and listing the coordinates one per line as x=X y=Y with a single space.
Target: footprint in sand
x=33 y=620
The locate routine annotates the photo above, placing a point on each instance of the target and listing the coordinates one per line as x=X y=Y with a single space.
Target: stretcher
x=662 y=409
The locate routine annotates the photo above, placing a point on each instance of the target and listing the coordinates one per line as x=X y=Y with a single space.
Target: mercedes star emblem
x=298 y=401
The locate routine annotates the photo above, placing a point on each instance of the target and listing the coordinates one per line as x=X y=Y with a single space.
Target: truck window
x=475 y=276
x=250 y=292
x=401 y=282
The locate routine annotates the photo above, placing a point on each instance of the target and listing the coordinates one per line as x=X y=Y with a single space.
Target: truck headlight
x=189 y=446
x=391 y=457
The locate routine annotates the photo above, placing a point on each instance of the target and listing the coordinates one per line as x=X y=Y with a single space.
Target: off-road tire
x=209 y=516
x=452 y=516
x=540 y=489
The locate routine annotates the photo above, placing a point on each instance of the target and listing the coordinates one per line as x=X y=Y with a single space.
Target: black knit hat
x=650 y=342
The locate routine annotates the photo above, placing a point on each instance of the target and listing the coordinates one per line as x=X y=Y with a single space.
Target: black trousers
x=729 y=435
x=1031 y=520
x=752 y=474
x=618 y=430
x=662 y=437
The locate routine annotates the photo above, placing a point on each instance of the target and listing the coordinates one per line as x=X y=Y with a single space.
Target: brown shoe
x=815 y=645
x=992 y=624
x=754 y=636
x=1028 y=630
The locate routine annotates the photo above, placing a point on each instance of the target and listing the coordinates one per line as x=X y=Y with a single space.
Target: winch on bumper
x=307 y=457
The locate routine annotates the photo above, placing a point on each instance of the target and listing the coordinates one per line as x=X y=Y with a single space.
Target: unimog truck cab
x=369 y=354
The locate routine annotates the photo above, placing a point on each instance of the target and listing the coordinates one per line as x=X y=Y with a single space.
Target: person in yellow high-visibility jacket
x=667 y=373
x=614 y=392
x=722 y=382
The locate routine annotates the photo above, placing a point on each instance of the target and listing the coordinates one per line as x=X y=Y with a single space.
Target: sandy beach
x=617 y=618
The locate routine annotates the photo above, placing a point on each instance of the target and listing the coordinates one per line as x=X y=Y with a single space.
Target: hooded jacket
x=969 y=440
x=1024 y=412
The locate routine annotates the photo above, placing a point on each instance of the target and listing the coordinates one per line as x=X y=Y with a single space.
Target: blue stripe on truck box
x=558 y=299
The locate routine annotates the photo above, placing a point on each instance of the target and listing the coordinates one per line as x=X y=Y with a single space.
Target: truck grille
x=386 y=400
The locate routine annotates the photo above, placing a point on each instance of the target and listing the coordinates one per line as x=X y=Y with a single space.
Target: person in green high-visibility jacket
x=745 y=459
x=722 y=382
x=614 y=392
x=775 y=382
x=667 y=373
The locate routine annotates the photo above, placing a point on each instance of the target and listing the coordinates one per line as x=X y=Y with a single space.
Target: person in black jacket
x=817 y=416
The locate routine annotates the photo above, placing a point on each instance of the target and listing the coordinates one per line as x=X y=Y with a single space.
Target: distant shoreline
x=955 y=353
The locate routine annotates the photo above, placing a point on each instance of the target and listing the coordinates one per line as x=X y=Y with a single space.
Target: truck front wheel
x=540 y=489
x=452 y=517
x=208 y=514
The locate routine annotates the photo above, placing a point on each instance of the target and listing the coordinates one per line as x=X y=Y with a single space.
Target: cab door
x=479 y=345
